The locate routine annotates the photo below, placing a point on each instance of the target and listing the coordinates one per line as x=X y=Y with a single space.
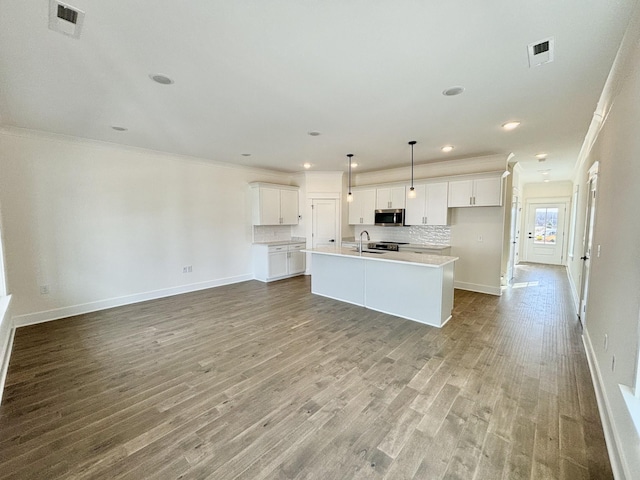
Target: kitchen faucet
x=368 y=239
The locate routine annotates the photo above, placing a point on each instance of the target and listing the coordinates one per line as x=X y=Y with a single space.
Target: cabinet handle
x=470 y=200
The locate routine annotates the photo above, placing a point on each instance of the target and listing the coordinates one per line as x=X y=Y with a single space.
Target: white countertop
x=282 y=242
x=426 y=260
x=429 y=246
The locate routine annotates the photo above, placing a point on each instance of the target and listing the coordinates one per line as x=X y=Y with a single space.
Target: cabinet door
x=297 y=261
x=460 y=193
x=437 y=211
x=368 y=205
x=355 y=209
x=383 y=198
x=397 y=197
x=289 y=207
x=269 y=206
x=278 y=263
x=488 y=192
x=415 y=208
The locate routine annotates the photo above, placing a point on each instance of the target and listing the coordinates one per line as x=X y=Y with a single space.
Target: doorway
x=587 y=242
x=545 y=232
x=514 y=238
x=325 y=222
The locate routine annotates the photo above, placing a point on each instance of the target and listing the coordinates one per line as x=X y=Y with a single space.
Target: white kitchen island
x=410 y=285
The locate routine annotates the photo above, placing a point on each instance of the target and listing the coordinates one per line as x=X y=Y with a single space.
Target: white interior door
x=587 y=243
x=545 y=232
x=325 y=222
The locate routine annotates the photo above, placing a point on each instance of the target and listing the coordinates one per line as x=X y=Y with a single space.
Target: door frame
x=587 y=238
x=530 y=202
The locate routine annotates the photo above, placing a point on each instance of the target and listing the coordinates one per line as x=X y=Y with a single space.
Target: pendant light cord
x=349 y=156
x=412 y=143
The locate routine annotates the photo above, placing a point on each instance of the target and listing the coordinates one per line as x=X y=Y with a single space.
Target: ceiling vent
x=65 y=19
x=541 y=52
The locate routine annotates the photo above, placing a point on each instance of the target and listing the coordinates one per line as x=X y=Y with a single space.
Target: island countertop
x=434 y=261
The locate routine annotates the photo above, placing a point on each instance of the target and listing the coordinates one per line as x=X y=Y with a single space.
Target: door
x=436 y=210
x=545 y=232
x=460 y=193
x=324 y=223
x=587 y=243
x=269 y=206
x=487 y=192
x=278 y=264
x=414 y=213
x=513 y=237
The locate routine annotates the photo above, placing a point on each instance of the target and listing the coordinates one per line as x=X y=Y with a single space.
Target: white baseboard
x=476 y=287
x=604 y=408
x=6 y=340
x=57 y=313
x=574 y=290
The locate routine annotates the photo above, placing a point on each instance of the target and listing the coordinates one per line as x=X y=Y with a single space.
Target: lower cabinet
x=273 y=262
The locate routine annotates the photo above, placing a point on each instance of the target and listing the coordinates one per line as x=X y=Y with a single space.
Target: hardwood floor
x=258 y=381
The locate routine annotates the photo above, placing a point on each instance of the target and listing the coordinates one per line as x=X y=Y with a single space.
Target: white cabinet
x=274 y=204
x=477 y=192
x=362 y=208
x=274 y=262
x=430 y=206
x=390 y=197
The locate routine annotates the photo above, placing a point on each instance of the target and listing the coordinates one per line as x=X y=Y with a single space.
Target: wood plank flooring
x=255 y=381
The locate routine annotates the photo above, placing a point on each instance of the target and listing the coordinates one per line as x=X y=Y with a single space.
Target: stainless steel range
x=389 y=246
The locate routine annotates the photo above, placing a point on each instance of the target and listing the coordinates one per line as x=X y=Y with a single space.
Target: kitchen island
x=410 y=285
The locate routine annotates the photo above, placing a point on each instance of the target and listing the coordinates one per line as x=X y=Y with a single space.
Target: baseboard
x=574 y=290
x=70 y=311
x=6 y=340
x=476 y=287
x=604 y=408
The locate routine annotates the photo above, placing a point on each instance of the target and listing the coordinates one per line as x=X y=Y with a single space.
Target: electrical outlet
x=44 y=289
x=606 y=342
x=598 y=251
x=187 y=269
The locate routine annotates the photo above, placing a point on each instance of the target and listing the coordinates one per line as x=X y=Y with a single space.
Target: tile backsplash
x=271 y=233
x=428 y=234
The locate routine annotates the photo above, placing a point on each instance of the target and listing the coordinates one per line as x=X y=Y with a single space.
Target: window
x=546 y=227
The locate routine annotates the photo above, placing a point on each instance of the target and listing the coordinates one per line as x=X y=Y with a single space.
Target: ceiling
x=254 y=77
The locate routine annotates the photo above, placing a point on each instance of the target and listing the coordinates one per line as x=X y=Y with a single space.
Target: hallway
x=258 y=380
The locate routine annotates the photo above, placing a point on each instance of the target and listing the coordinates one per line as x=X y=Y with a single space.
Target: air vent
x=540 y=52
x=65 y=19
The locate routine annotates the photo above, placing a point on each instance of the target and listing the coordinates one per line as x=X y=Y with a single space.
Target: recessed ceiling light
x=160 y=78
x=510 y=125
x=245 y=154
x=541 y=155
x=313 y=133
x=119 y=129
x=447 y=148
x=306 y=165
x=545 y=173
x=453 y=91
x=546 y=180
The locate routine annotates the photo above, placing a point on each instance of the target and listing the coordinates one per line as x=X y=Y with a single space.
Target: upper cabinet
x=390 y=197
x=430 y=205
x=274 y=204
x=362 y=208
x=477 y=192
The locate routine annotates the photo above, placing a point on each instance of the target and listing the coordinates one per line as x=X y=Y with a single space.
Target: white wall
x=103 y=225
x=476 y=237
x=614 y=295
x=462 y=166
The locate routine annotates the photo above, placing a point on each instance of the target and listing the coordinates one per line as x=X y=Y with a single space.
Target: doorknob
x=584 y=258
x=332 y=240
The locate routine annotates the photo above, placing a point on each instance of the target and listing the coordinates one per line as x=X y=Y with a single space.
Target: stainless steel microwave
x=392 y=217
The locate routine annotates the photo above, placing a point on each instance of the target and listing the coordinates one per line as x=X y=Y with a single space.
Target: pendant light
x=412 y=191
x=349 y=196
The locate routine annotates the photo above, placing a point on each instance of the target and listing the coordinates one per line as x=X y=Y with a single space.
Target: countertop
x=282 y=242
x=429 y=246
x=423 y=259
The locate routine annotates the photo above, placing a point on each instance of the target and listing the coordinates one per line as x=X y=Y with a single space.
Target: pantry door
x=545 y=233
